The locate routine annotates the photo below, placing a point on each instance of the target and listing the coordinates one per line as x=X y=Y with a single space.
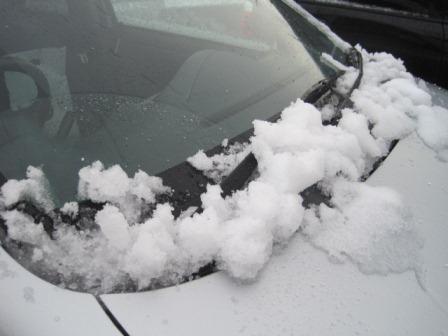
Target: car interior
x=97 y=80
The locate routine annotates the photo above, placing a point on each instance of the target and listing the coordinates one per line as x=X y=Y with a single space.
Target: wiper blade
x=241 y=174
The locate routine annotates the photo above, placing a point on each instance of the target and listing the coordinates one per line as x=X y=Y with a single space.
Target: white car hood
x=302 y=292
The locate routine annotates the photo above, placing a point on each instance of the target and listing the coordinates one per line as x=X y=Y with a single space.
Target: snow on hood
x=369 y=226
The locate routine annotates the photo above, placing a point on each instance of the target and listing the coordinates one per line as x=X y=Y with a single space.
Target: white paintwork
x=31 y=306
x=422 y=180
x=302 y=292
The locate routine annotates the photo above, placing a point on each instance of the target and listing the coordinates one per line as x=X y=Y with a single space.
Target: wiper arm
x=241 y=174
x=354 y=59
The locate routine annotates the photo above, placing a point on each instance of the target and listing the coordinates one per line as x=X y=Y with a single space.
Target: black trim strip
x=374 y=9
x=112 y=318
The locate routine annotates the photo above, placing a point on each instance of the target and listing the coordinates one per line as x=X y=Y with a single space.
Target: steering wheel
x=41 y=107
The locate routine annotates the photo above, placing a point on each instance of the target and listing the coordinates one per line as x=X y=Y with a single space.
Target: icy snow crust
x=369 y=226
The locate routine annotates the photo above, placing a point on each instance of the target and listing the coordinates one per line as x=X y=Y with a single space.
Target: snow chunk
x=220 y=165
x=153 y=249
x=114 y=226
x=281 y=212
x=247 y=246
x=146 y=187
x=113 y=185
x=70 y=209
x=34 y=188
x=299 y=150
x=21 y=227
x=103 y=185
x=357 y=125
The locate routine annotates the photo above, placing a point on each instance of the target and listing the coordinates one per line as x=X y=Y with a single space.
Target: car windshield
x=143 y=83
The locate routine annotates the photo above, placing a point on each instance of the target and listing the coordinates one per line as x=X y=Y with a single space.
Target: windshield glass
x=143 y=83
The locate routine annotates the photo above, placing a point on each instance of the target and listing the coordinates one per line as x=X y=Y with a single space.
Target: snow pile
x=366 y=225
x=70 y=209
x=234 y=232
x=299 y=151
x=369 y=226
x=396 y=104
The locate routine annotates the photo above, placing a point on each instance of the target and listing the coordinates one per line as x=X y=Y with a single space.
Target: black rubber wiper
x=243 y=172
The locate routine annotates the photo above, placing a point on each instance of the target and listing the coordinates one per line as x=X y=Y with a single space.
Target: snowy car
x=214 y=167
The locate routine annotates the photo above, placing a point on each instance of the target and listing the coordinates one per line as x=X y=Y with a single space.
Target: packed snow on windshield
x=370 y=226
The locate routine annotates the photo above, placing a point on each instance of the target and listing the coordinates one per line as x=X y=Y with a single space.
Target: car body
x=414 y=31
x=301 y=291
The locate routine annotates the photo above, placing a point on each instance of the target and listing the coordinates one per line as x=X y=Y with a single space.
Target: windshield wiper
x=243 y=172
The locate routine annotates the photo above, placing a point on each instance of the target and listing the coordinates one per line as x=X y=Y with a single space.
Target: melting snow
x=366 y=225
